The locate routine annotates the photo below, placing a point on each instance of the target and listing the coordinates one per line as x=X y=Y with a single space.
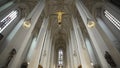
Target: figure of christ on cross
x=59 y=16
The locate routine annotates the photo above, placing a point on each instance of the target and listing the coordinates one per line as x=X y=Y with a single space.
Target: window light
x=112 y=19
x=60 y=57
x=8 y=19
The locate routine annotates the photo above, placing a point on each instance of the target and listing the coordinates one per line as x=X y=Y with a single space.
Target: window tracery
x=60 y=58
x=112 y=19
x=8 y=19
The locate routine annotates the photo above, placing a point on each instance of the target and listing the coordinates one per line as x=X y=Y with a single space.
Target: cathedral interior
x=59 y=33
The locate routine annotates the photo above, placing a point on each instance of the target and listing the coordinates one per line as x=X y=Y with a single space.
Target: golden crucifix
x=59 y=16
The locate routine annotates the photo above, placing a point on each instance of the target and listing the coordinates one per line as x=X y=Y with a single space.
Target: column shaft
x=23 y=35
x=93 y=33
x=37 y=52
x=85 y=61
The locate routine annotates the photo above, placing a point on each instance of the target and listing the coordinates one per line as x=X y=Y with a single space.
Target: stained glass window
x=60 y=58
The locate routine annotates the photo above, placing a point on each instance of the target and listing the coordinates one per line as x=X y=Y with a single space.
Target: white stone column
x=110 y=41
x=71 y=54
x=49 y=54
x=52 y=58
x=85 y=60
x=93 y=57
x=55 y=55
x=40 y=41
x=68 y=56
x=22 y=36
x=45 y=57
x=93 y=33
x=31 y=49
x=74 y=50
x=11 y=43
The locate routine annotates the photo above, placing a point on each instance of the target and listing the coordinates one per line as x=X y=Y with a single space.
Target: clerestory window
x=112 y=19
x=8 y=19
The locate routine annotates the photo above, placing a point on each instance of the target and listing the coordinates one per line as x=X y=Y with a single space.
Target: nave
x=59 y=34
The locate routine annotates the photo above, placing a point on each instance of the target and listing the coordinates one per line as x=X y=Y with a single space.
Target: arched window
x=112 y=19
x=60 y=58
x=8 y=19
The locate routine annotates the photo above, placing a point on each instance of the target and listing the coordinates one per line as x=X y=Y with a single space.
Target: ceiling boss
x=59 y=16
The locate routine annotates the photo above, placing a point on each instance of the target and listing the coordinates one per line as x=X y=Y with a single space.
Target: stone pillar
x=23 y=35
x=40 y=42
x=31 y=49
x=110 y=40
x=68 y=62
x=68 y=56
x=76 y=53
x=74 y=50
x=93 y=33
x=45 y=57
x=49 y=53
x=85 y=60
x=71 y=54
x=10 y=44
x=52 y=58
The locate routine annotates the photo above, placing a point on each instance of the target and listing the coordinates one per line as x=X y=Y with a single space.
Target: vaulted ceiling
x=60 y=32
x=66 y=6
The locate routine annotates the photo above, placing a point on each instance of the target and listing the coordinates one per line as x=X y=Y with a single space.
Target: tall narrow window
x=112 y=19
x=8 y=19
x=60 y=59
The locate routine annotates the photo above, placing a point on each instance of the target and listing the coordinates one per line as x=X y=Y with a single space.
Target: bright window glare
x=60 y=57
x=114 y=21
x=8 y=19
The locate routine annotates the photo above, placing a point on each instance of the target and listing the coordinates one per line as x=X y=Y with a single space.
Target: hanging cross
x=59 y=13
